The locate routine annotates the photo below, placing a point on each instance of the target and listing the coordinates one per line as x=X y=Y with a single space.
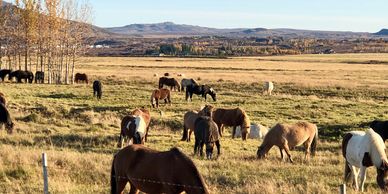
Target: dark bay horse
x=5 y=118
x=232 y=118
x=287 y=136
x=28 y=76
x=172 y=82
x=39 y=77
x=135 y=126
x=3 y=73
x=202 y=90
x=206 y=133
x=151 y=171
x=81 y=77
x=380 y=127
x=160 y=94
x=97 y=89
x=187 y=82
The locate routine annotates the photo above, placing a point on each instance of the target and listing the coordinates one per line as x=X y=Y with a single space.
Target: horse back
x=189 y=119
x=229 y=117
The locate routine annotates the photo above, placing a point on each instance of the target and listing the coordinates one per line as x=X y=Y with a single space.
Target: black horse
x=39 y=77
x=3 y=73
x=97 y=89
x=206 y=132
x=380 y=127
x=5 y=118
x=203 y=90
x=20 y=74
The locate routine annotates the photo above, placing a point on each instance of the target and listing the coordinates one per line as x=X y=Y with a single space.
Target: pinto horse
x=160 y=94
x=203 y=90
x=135 y=126
x=172 y=82
x=288 y=136
x=5 y=118
x=362 y=150
x=151 y=171
x=81 y=77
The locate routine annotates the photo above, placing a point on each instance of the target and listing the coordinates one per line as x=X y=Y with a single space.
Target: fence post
x=343 y=189
x=45 y=178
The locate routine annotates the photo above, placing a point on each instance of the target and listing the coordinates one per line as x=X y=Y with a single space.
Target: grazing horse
x=256 y=131
x=206 y=132
x=2 y=99
x=28 y=76
x=288 y=136
x=268 y=87
x=172 y=82
x=3 y=73
x=160 y=94
x=97 y=89
x=151 y=171
x=189 y=121
x=203 y=90
x=81 y=77
x=187 y=82
x=135 y=126
x=233 y=118
x=380 y=127
x=5 y=118
x=362 y=150
x=39 y=77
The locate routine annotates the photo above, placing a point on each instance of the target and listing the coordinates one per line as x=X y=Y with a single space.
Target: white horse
x=256 y=131
x=362 y=150
x=268 y=87
x=187 y=82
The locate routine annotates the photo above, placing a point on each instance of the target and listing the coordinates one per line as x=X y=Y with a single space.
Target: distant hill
x=172 y=29
x=382 y=32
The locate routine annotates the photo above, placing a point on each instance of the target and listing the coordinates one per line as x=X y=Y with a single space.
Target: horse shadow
x=59 y=96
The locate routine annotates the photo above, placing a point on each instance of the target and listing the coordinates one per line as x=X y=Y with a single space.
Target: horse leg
x=218 y=148
x=355 y=177
x=287 y=149
x=362 y=177
x=234 y=132
x=157 y=102
x=190 y=131
x=196 y=146
x=307 y=151
x=281 y=153
x=133 y=189
x=120 y=184
x=201 y=148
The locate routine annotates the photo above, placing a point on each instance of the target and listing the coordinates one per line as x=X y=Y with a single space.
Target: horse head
x=213 y=94
x=260 y=153
x=382 y=176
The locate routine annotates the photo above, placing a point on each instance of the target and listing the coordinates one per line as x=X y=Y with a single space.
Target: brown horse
x=288 y=136
x=172 y=82
x=2 y=99
x=233 y=118
x=5 y=118
x=135 y=126
x=189 y=121
x=160 y=94
x=151 y=171
x=81 y=77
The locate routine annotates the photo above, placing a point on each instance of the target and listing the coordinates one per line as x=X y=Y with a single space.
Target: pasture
x=80 y=133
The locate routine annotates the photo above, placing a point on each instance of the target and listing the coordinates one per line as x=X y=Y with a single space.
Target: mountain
x=382 y=32
x=172 y=29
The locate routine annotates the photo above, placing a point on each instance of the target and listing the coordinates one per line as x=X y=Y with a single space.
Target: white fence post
x=343 y=189
x=45 y=178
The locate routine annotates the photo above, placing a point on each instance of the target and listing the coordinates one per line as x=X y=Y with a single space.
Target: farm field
x=338 y=92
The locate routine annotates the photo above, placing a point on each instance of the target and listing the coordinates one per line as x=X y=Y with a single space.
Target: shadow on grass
x=59 y=95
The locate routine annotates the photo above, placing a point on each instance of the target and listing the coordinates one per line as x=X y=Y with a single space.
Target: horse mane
x=378 y=154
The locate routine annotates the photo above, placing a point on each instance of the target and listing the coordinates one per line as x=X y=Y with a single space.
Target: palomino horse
x=151 y=171
x=5 y=118
x=172 y=82
x=187 y=82
x=362 y=150
x=189 y=121
x=206 y=133
x=380 y=127
x=233 y=118
x=160 y=94
x=135 y=126
x=288 y=136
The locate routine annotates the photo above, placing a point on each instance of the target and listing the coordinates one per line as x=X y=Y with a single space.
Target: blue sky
x=344 y=15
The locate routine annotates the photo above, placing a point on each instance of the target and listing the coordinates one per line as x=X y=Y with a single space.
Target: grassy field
x=79 y=133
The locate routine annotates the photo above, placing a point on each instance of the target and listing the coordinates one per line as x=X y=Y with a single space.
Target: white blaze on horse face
x=140 y=124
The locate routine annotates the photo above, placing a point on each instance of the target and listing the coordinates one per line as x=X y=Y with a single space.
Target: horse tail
x=314 y=143
x=113 y=184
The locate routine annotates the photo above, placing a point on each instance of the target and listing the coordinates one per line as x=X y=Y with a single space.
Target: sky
x=337 y=15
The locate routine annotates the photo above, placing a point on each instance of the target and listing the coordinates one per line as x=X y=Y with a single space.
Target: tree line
x=44 y=35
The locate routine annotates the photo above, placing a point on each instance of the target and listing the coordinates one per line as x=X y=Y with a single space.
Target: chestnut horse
x=232 y=117
x=135 y=126
x=160 y=94
x=362 y=150
x=288 y=136
x=151 y=171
